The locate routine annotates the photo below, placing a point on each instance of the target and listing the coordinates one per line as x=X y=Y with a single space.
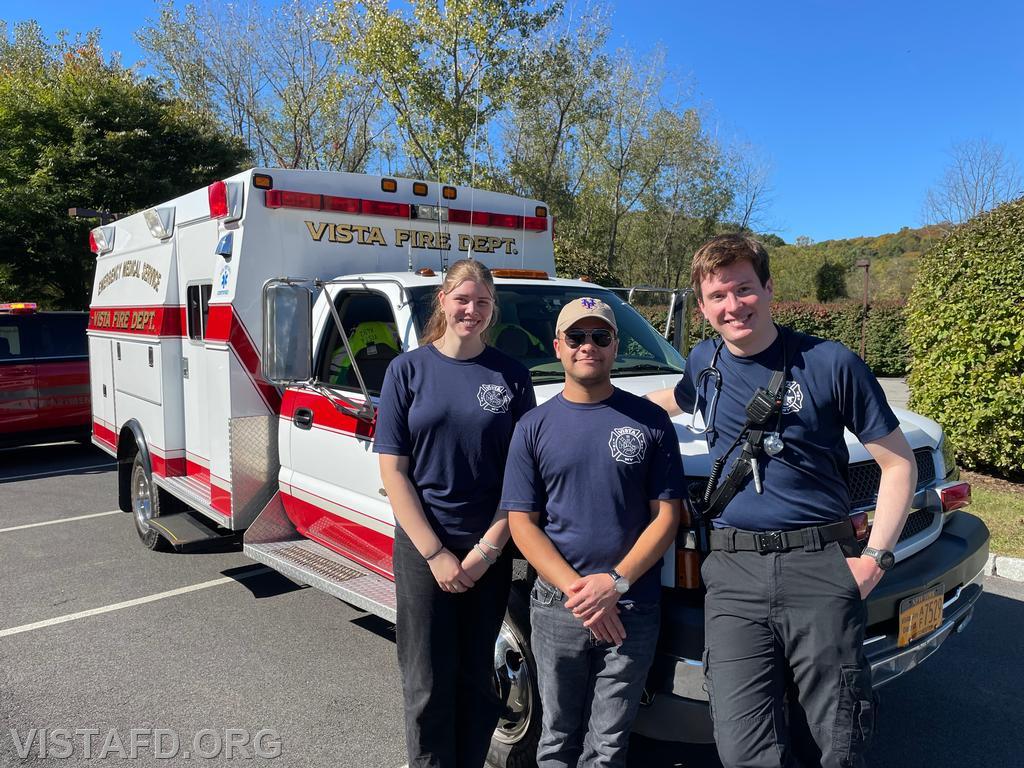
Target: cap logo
x=588 y=303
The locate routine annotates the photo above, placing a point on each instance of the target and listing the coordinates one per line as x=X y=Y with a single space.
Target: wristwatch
x=885 y=558
x=620 y=582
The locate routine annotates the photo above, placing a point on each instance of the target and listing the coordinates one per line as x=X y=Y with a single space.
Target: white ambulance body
x=175 y=327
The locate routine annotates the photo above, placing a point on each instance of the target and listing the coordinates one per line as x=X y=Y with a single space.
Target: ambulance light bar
x=18 y=308
x=101 y=240
x=282 y=198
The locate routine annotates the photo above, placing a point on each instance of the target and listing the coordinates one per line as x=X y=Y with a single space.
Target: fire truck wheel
x=146 y=506
x=514 y=743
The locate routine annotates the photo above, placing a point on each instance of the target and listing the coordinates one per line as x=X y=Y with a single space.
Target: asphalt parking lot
x=100 y=638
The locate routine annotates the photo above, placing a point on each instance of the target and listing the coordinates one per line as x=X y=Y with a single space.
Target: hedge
x=886 y=347
x=965 y=323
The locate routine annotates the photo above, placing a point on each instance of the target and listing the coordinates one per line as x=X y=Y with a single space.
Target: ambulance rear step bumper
x=273 y=541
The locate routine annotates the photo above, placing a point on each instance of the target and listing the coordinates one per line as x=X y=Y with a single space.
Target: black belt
x=811 y=539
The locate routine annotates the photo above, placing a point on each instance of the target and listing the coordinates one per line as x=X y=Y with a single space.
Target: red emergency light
x=218 y=195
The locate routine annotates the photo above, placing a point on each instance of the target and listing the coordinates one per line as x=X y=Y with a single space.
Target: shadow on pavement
x=269 y=584
x=41 y=461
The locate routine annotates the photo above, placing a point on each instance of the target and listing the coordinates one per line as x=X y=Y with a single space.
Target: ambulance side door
x=334 y=489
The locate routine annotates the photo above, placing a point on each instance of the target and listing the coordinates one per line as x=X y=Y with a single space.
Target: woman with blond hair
x=447 y=411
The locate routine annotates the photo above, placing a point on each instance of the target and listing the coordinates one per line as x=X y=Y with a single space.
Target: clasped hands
x=594 y=600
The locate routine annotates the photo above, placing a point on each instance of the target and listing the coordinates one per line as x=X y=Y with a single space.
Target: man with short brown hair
x=786 y=578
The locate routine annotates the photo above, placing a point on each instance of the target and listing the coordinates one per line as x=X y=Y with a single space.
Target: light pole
x=866 y=265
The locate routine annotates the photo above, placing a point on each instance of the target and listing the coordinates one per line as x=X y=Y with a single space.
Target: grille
x=917 y=522
x=865 y=476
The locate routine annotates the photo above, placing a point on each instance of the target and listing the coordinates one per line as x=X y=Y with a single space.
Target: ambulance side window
x=369 y=324
x=198 y=298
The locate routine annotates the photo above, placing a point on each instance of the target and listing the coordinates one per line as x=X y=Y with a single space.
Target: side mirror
x=287 y=337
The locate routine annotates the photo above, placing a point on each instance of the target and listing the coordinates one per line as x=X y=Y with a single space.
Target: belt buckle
x=769 y=541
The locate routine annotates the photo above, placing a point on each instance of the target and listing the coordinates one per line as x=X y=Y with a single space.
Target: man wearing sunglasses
x=592 y=488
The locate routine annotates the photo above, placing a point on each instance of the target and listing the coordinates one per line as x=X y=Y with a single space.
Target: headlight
x=950 y=471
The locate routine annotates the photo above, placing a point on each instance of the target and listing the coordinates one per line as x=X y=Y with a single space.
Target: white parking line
x=59 y=520
x=54 y=472
x=130 y=603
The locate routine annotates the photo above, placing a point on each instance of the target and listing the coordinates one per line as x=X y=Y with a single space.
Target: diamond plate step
x=307 y=562
x=273 y=541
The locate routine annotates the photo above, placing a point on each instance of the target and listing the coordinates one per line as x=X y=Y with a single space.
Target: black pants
x=446 y=656
x=785 y=668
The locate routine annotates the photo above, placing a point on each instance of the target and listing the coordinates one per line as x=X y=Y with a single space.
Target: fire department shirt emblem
x=494 y=398
x=793 y=400
x=628 y=445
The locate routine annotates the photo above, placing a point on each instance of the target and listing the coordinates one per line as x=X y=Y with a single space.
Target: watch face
x=886 y=560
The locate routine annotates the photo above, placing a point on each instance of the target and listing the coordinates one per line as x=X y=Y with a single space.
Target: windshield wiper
x=637 y=367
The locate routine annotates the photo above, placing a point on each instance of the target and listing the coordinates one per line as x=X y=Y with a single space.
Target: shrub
x=966 y=332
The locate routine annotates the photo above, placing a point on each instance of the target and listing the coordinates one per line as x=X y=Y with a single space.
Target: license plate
x=920 y=615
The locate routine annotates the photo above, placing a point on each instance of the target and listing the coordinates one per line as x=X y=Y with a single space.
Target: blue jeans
x=589 y=690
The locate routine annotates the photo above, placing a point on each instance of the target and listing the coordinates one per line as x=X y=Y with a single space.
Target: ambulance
x=238 y=339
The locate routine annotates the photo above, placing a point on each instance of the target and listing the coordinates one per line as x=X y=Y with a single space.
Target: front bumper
x=675 y=706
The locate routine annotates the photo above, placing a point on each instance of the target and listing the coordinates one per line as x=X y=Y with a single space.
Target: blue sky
x=855 y=102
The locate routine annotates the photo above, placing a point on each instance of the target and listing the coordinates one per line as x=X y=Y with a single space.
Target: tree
x=272 y=78
x=445 y=71
x=981 y=175
x=750 y=174
x=82 y=131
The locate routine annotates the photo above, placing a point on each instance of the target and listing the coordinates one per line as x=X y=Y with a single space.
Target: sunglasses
x=576 y=338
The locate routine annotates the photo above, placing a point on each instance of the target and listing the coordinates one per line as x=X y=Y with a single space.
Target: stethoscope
x=771 y=443
x=710 y=372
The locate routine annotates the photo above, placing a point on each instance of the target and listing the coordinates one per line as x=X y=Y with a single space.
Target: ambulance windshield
x=526 y=327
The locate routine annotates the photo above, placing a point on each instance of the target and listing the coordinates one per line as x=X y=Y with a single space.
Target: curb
x=1005 y=567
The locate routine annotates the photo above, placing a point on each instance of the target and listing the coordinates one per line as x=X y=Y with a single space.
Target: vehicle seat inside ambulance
x=374 y=344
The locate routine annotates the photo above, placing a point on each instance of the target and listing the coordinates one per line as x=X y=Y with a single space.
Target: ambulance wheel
x=145 y=506
x=514 y=743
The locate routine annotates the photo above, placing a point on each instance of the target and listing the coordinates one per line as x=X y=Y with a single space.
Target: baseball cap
x=578 y=309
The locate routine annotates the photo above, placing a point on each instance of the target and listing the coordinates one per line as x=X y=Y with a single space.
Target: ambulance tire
x=514 y=743
x=146 y=506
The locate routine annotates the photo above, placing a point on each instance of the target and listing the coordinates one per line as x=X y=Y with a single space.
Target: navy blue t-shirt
x=827 y=388
x=454 y=420
x=592 y=470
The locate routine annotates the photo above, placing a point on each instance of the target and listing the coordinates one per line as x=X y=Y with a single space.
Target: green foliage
x=966 y=331
x=827 y=271
x=574 y=263
x=82 y=132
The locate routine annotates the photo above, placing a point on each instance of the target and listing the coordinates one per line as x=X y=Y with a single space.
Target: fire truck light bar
x=282 y=198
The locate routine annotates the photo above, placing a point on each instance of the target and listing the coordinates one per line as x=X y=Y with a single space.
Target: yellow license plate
x=920 y=615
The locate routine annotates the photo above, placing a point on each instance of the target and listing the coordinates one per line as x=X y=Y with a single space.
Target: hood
x=921 y=432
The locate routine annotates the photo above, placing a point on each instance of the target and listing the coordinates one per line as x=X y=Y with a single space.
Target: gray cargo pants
x=784 y=661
